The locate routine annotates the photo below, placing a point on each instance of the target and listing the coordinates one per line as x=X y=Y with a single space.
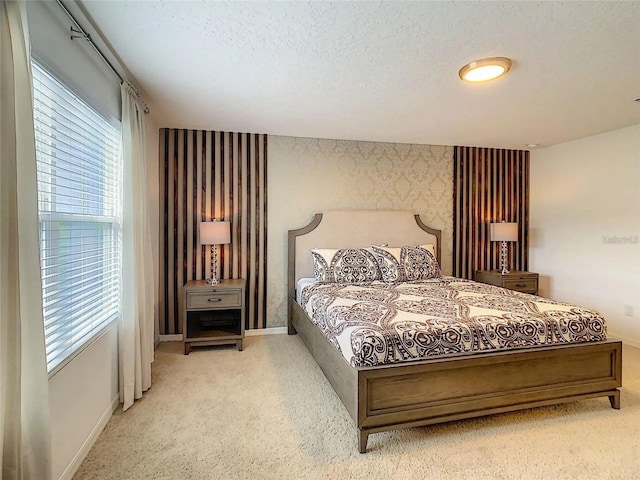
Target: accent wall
x=206 y=175
x=491 y=185
x=309 y=175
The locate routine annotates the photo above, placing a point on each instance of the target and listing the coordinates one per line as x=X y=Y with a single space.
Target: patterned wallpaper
x=309 y=175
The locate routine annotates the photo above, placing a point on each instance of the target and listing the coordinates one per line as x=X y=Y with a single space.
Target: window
x=79 y=179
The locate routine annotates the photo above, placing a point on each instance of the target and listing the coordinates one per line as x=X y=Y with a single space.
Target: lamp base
x=503 y=259
x=213 y=279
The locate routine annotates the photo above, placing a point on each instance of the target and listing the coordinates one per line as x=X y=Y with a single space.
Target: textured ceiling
x=382 y=71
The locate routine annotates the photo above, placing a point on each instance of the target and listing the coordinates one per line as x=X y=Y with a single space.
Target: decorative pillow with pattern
x=406 y=264
x=345 y=265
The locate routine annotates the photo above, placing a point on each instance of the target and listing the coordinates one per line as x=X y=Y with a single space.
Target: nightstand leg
x=363 y=436
x=615 y=400
x=187 y=348
x=239 y=345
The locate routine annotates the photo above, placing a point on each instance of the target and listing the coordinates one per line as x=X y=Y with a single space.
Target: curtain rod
x=80 y=32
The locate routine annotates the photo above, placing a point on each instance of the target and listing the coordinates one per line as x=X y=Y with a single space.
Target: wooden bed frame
x=440 y=390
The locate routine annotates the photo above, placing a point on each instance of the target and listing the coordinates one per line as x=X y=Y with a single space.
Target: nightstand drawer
x=526 y=282
x=214 y=299
x=523 y=285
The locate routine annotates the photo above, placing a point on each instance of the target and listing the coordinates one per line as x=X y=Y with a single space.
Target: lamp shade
x=504 y=232
x=215 y=233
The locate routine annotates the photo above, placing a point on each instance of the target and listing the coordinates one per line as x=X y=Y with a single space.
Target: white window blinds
x=79 y=178
x=74 y=62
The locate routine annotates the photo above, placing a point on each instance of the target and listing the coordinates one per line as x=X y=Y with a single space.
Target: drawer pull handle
x=214 y=299
x=520 y=285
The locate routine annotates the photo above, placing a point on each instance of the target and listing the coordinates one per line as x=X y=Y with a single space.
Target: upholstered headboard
x=354 y=228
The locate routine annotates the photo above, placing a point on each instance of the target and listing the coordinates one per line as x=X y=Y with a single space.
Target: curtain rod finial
x=79 y=34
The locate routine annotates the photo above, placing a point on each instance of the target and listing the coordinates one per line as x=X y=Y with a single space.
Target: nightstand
x=526 y=282
x=213 y=314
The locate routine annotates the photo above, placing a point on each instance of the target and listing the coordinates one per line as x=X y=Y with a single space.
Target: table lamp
x=504 y=232
x=214 y=233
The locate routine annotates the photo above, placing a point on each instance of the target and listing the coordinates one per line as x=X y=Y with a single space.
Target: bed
x=411 y=393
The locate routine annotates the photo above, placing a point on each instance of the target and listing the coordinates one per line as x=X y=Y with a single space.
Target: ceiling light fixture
x=485 y=69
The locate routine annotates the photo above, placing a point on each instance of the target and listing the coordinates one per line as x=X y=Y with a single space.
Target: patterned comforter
x=377 y=323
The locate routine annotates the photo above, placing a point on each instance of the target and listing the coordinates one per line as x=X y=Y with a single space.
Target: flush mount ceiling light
x=485 y=69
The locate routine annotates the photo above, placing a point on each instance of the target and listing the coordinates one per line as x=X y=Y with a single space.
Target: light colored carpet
x=269 y=413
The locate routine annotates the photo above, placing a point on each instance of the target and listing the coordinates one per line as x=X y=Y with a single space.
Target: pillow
x=345 y=265
x=406 y=264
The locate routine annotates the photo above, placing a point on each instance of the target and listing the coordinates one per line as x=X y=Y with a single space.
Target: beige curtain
x=24 y=389
x=136 y=335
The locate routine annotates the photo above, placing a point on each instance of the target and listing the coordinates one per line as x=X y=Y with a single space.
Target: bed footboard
x=447 y=389
x=456 y=388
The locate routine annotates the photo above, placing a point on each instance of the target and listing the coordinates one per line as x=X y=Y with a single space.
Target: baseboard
x=625 y=340
x=170 y=338
x=265 y=331
x=75 y=463
x=247 y=333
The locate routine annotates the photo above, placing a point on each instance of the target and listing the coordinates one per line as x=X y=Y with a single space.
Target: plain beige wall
x=82 y=397
x=309 y=175
x=582 y=193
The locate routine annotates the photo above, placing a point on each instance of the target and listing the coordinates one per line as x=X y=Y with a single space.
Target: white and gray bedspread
x=378 y=323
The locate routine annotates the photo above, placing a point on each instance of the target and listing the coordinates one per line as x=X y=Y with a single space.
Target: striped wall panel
x=490 y=185
x=206 y=176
